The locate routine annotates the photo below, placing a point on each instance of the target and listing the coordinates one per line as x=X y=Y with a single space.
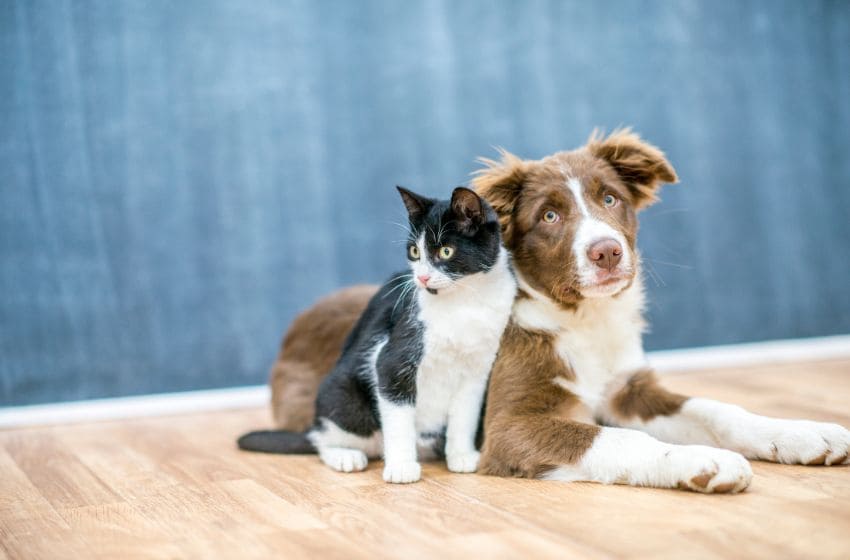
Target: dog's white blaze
x=578 y=192
x=590 y=230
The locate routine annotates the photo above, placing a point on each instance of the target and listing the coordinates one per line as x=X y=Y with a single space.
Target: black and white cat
x=413 y=372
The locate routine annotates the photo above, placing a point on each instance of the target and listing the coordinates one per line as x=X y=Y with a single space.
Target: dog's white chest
x=600 y=343
x=599 y=362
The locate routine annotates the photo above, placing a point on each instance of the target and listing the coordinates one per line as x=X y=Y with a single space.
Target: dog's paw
x=402 y=472
x=802 y=442
x=466 y=462
x=709 y=470
x=344 y=459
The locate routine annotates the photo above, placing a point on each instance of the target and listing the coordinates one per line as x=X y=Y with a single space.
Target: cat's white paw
x=466 y=462
x=344 y=459
x=708 y=470
x=807 y=443
x=402 y=472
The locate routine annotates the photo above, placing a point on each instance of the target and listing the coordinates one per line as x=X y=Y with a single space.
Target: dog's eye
x=413 y=251
x=446 y=252
x=550 y=217
x=610 y=200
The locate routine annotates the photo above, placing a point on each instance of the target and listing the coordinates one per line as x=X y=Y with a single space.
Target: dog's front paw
x=709 y=470
x=402 y=472
x=808 y=443
x=465 y=462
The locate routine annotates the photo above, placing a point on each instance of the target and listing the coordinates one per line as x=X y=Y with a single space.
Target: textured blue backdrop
x=180 y=178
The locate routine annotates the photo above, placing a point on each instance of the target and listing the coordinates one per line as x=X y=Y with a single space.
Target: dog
x=571 y=396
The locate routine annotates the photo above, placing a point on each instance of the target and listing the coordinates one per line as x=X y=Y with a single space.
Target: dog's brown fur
x=309 y=351
x=538 y=432
x=526 y=431
x=644 y=397
x=531 y=423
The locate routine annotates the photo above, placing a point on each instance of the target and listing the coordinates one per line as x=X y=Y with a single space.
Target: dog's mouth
x=606 y=283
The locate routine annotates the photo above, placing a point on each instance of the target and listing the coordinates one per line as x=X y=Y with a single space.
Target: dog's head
x=570 y=219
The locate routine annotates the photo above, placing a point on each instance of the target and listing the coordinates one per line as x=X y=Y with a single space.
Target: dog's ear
x=641 y=166
x=500 y=183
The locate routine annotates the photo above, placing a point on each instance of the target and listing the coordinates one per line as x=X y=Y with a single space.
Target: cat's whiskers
x=399 y=282
x=411 y=230
x=408 y=287
x=433 y=235
x=442 y=228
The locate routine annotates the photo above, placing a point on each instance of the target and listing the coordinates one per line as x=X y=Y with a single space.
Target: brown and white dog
x=571 y=395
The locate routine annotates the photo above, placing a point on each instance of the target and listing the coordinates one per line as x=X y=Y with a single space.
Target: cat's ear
x=468 y=209
x=416 y=205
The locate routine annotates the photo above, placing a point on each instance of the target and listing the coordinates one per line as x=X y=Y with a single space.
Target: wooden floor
x=177 y=487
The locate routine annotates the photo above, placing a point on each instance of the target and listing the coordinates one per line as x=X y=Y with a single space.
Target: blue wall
x=180 y=178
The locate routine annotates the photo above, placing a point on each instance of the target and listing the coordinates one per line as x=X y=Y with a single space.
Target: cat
x=411 y=379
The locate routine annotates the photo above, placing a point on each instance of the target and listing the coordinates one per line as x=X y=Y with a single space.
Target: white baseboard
x=133 y=407
x=751 y=354
x=666 y=361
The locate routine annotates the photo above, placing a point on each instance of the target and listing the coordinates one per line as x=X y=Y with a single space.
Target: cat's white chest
x=461 y=339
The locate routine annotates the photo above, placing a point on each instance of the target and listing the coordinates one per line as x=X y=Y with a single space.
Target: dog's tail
x=277 y=441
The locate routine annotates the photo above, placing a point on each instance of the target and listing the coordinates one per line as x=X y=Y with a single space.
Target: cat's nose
x=423 y=279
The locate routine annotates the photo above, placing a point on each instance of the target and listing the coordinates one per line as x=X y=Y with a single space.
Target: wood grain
x=177 y=487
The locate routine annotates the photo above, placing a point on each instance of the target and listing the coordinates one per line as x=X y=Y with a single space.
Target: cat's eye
x=413 y=251
x=550 y=216
x=610 y=201
x=446 y=252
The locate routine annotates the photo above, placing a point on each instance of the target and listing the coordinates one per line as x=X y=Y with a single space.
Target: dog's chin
x=605 y=288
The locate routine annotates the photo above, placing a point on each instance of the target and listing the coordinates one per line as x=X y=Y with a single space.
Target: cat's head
x=450 y=239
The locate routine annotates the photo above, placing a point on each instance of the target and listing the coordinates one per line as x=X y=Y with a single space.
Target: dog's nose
x=423 y=278
x=605 y=253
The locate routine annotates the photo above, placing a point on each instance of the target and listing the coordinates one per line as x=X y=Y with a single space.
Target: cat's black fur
x=347 y=396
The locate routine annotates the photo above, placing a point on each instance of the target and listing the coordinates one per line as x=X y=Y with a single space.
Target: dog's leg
x=643 y=404
x=555 y=449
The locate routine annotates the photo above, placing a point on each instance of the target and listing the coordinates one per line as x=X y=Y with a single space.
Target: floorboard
x=177 y=487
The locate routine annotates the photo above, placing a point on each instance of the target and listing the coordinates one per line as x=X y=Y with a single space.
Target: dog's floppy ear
x=641 y=166
x=500 y=183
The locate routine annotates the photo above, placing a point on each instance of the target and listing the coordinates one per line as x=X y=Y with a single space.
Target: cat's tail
x=277 y=441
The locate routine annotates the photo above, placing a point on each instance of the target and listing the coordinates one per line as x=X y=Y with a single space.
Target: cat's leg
x=398 y=424
x=396 y=394
x=342 y=450
x=642 y=403
x=462 y=425
x=346 y=433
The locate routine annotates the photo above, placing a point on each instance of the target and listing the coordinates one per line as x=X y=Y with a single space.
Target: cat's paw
x=402 y=472
x=344 y=459
x=466 y=462
x=807 y=443
x=709 y=470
